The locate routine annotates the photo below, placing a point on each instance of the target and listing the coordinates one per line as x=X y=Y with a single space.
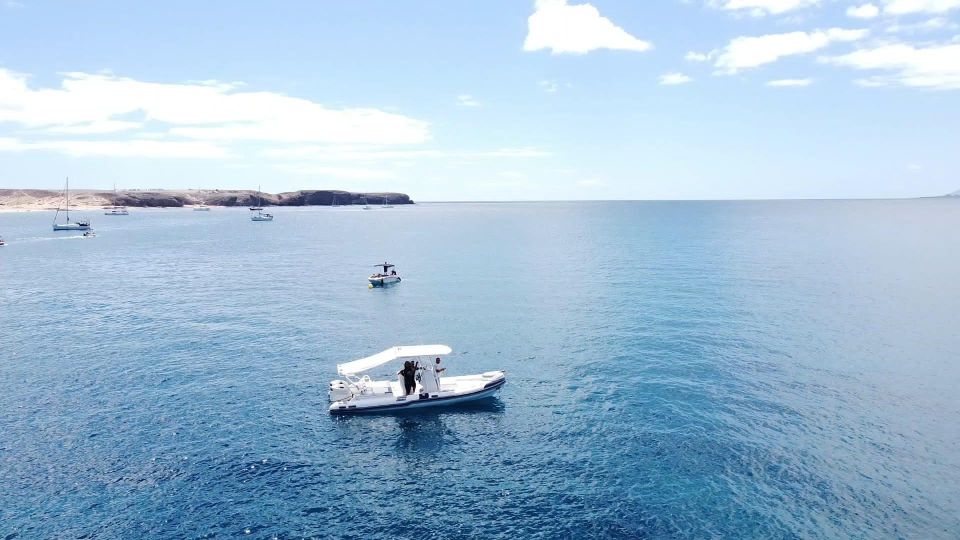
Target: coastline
x=20 y=200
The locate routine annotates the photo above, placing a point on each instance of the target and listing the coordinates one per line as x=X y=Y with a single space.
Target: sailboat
x=366 y=206
x=386 y=203
x=258 y=207
x=260 y=215
x=82 y=225
x=115 y=210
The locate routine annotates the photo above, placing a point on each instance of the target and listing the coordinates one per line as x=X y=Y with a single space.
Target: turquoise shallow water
x=676 y=370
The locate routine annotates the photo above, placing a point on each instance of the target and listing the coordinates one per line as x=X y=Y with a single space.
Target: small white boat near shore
x=384 y=278
x=357 y=393
x=115 y=210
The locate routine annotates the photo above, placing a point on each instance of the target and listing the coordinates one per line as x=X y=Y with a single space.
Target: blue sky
x=492 y=100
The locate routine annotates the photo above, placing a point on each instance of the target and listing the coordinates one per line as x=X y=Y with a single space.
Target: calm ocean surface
x=675 y=370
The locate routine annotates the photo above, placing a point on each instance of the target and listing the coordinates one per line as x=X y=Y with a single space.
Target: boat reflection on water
x=421 y=432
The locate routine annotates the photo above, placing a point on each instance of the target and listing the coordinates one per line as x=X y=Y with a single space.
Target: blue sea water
x=675 y=370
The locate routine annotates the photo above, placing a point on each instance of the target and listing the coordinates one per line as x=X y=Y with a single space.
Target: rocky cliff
x=40 y=198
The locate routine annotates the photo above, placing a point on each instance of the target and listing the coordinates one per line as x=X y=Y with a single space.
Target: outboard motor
x=339 y=390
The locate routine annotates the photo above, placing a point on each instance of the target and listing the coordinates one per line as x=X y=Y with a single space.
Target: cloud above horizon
x=760 y=8
x=575 y=29
x=931 y=66
x=747 y=52
x=193 y=119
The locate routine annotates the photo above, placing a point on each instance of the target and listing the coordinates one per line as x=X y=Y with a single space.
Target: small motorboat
x=357 y=393
x=2 y=242
x=89 y=234
x=201 y=208
x=387 y=277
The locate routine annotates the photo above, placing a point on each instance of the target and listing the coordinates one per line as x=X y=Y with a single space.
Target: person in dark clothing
x=409 y=372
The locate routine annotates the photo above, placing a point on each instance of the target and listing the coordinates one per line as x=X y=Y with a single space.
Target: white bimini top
x=389 y=355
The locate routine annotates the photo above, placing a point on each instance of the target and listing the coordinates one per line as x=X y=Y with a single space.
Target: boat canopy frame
x=393 y=353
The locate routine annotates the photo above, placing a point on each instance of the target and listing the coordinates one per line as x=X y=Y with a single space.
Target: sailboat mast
x=67 y=189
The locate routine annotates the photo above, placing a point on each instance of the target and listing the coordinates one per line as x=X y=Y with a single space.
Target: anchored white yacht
x=359 y=393
x=260 y=215
x=259 y=205
x=386 y=277
x=115 y=210
x=82 y=225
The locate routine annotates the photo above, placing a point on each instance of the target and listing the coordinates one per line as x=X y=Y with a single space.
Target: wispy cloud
x=102 y=103
x=748 y=52
x=907 y=7
x=466 y=100
x=759 y=8
x=864 y=11
x=551 y=86
x=575 y=29
x=673 y=79
x=327 y=153
x=120 y=148
x=932 y=66
x=783 y=83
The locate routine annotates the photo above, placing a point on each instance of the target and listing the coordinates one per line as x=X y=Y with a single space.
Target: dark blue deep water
x=675 y=370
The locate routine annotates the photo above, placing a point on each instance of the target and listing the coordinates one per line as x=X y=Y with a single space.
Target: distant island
x=954 y=194
x=42 y=199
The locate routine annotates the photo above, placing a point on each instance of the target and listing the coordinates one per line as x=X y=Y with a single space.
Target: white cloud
x=86 y=103
x=747 y=52
x=575 y=29
x=466 y=100
x=553 y=86
x=119 y=148
x=759 y=8
x=673 y=79
x=930 y=25
x=697 y=57
x=790 y=82
x=339 y=154
x=338 y=172
x=99 y=126
x=934 y=66
x=865 y=11
x=906 y=7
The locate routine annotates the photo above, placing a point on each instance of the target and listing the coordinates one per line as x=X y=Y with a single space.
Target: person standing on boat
x=439 y=369
x=408 y=372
